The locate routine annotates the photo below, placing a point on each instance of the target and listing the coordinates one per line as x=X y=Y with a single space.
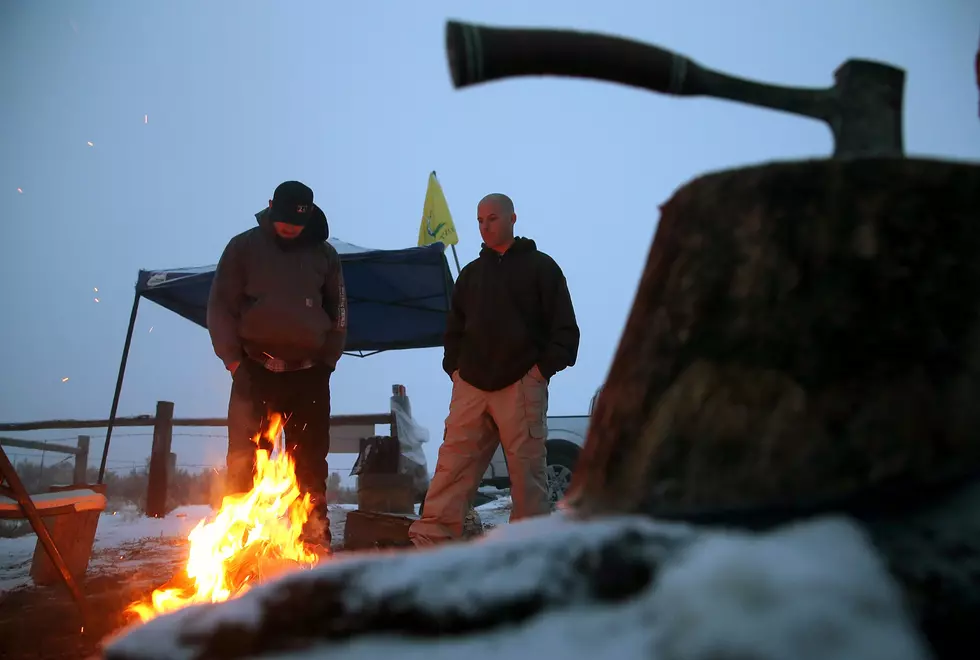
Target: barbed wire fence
x=338 y=463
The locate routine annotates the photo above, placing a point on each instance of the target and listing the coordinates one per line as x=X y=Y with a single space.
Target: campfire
x=251 y=537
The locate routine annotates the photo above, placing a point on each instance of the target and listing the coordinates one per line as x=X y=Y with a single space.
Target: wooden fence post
x=81 y=461
x=156 y=490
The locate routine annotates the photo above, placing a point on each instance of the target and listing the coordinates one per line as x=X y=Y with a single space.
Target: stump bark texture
x=803 y=334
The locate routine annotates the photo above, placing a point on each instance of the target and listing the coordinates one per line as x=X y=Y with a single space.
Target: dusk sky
x=195 y=111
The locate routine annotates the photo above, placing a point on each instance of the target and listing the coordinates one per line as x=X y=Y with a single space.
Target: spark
x=95 y=288
x=146 y=119
x=74 y=27
x=90 y=143
x=151 y=328
x=20 y=190
x=96 y=299
x=65 y=379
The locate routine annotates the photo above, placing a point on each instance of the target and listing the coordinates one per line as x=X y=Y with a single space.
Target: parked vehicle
x=566 y=437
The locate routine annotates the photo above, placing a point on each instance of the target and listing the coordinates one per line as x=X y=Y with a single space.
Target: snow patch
x=809 y=591
x=115 y=528
x=495 y=513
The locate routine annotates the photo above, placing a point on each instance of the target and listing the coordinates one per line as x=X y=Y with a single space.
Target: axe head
x=866 y=118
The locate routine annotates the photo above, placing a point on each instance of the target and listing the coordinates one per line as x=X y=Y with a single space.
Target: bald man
x=511 y=328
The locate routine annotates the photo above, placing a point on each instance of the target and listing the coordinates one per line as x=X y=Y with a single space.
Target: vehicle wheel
x=561 y=465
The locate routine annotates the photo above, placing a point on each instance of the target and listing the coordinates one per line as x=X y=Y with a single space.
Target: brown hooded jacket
x=279 y=298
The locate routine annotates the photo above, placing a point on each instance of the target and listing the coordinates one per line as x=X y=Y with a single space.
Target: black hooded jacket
x=510 y=312
x=280 y=298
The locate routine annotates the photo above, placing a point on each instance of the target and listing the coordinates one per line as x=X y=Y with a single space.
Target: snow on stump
x=805 y=338
x=71 y=515
x=625 y=588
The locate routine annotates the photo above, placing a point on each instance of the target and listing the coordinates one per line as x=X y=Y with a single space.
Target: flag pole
x=456 y=259
x=455 y=256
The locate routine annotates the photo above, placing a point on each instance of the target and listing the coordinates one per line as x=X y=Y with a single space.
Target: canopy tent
x=396 y=299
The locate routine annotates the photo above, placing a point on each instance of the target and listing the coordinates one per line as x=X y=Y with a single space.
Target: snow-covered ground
x=116 y=529
x=119 y=529
x=496 y=513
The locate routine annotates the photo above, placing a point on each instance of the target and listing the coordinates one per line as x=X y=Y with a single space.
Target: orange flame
x=251 y=536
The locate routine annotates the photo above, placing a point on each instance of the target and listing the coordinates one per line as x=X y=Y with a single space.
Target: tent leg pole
x=456 y=258
x=119 y=382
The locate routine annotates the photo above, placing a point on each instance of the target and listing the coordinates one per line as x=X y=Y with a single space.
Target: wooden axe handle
x=480 y=54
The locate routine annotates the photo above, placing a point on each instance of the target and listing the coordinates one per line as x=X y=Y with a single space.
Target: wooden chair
x=16 y=503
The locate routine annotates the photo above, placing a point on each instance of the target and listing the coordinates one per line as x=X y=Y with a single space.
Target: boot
x=316 y=531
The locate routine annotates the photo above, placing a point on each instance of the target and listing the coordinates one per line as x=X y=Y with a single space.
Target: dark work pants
x=303 y=399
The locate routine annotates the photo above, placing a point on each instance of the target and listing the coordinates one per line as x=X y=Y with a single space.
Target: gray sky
x=355 y=100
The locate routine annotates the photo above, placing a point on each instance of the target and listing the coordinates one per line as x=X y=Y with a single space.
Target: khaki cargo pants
x=516 y=417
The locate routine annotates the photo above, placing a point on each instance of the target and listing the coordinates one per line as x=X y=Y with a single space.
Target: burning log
x=258 y=563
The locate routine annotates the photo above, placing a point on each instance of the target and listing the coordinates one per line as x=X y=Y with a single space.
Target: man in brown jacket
x=277 y=315
x=511 y=327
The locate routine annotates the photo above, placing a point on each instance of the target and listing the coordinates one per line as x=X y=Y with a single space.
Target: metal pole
x=456 y=259
x=119 y=382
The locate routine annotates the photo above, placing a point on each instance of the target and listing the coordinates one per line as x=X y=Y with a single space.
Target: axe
x=863 y=108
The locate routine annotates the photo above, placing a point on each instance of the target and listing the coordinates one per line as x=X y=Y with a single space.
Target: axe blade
x=866 y=117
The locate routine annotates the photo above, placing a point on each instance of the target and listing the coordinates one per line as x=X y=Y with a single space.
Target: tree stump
x=805 y=339
x=804 y=335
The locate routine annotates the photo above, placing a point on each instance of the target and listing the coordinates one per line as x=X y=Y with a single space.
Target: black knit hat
x=292 y=203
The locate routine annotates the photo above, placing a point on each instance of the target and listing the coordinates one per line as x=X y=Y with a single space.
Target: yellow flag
x=437 y=223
